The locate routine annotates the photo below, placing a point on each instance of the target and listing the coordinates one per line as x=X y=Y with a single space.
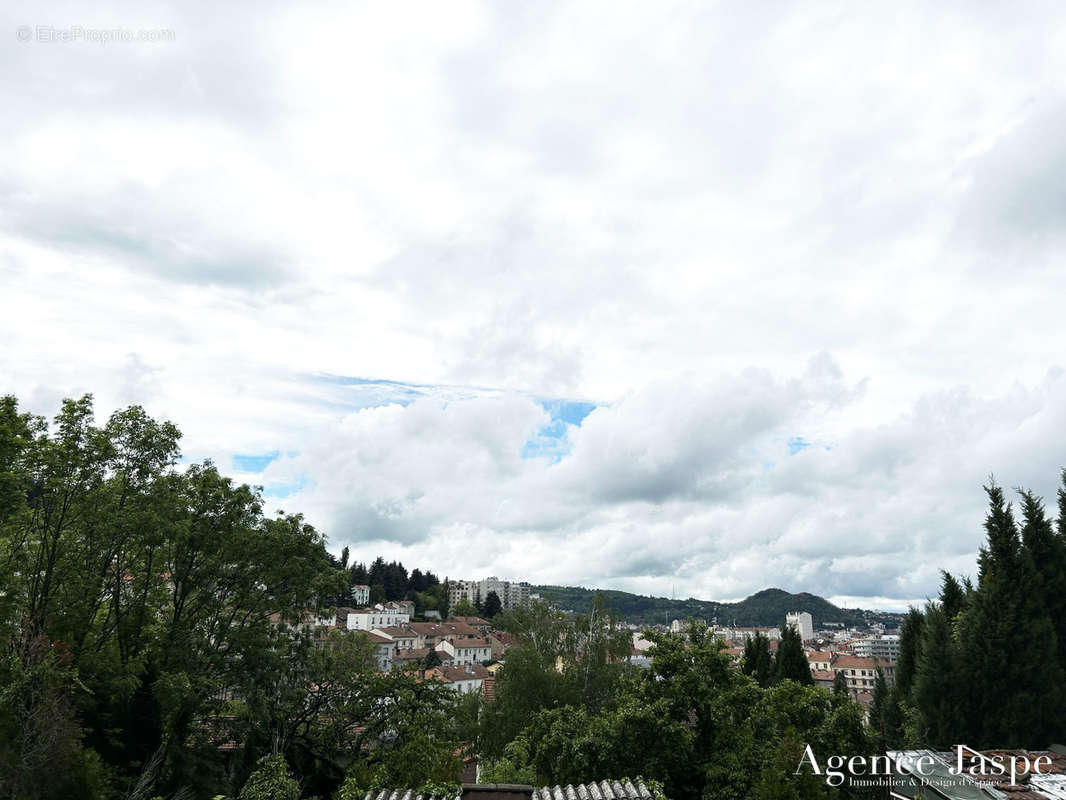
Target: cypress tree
x=1046 y=550
x=758 y=663
x=936 y=682
x=952 y=596
x=840 y=685
x=791 y=662
x=910 y=639
x=885 y=719
x=1007 y=646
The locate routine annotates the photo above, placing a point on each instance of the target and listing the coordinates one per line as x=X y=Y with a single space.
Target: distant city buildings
x=511 y=593
x=743 y=633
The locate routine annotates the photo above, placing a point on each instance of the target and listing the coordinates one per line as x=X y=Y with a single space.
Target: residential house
x=366 y=619
x=430 y=633
x=361 y=595
x=500 y=642
x=383 y=649
x=402 y=638
x=466 y=651
x=482 y=626
x=819 y=660
x=464 y=679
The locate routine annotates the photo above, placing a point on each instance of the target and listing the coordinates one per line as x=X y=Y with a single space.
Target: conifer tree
x=791 y=663
x=757 y=662
x=1007 y=646
x=840 y=685
x=936 y=689
x=885 y=719
x=1046 y=551
x=952 y=596
x=910 y=639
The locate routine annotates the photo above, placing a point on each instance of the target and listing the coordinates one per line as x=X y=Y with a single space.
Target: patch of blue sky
x=283 y=489
x=572 y=412
x=551 y=441
x=253 y=463
x=796 y=444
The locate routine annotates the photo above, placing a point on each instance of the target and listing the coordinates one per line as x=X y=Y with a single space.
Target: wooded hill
x=767 y=607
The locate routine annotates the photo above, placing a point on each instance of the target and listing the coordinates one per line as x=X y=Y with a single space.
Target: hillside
x=767 y=607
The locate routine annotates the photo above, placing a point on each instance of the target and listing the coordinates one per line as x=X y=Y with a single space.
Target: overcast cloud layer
x=692 y=298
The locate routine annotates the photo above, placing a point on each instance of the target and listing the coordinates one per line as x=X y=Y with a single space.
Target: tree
x=271 y=780
x=431 y=660
x=936 y=688
x=1007 y=645
x=885 y=719
x=952 y=596
x=910 y=638
x=492 y=605
x=840 y=684
x=464 y=609
x=1045 y=551
x=758 y=662
x=791 y=663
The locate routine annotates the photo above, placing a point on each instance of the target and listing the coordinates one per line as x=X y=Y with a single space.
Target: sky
x=686 y=299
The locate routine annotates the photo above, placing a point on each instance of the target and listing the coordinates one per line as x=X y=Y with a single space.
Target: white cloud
x=666 y=210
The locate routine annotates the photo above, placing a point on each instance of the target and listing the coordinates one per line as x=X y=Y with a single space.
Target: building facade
x=885 y=647
x=366 y=619
x=361 y=595
x=511 y=593
x=802 y=623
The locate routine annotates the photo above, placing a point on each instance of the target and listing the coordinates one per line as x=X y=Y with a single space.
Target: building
x=466 y=651
x=819 y=660
x=861 y=673
x=464 y=679
x=430 y=634
x=802 y=623
x=401 y=638
x=462 y=590
x=383 y=649
x=743 y=633
x=511 y=593
x=366 y=619
x=361 y=595
x=885 y=646
x=482 y=626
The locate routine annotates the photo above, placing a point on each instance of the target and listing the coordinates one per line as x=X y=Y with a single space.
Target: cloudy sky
x=690 y=298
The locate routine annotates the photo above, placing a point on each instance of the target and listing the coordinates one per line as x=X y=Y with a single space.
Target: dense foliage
x=569 y=710
x=391 y=581
x=984 y=664
x=151 y=620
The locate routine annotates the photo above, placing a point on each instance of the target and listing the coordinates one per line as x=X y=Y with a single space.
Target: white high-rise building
x=511 y=593
x=802 y=622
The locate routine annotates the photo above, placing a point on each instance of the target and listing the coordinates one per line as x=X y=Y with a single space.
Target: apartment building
x=885 y=646
x=861 y=673
x=511 y=593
